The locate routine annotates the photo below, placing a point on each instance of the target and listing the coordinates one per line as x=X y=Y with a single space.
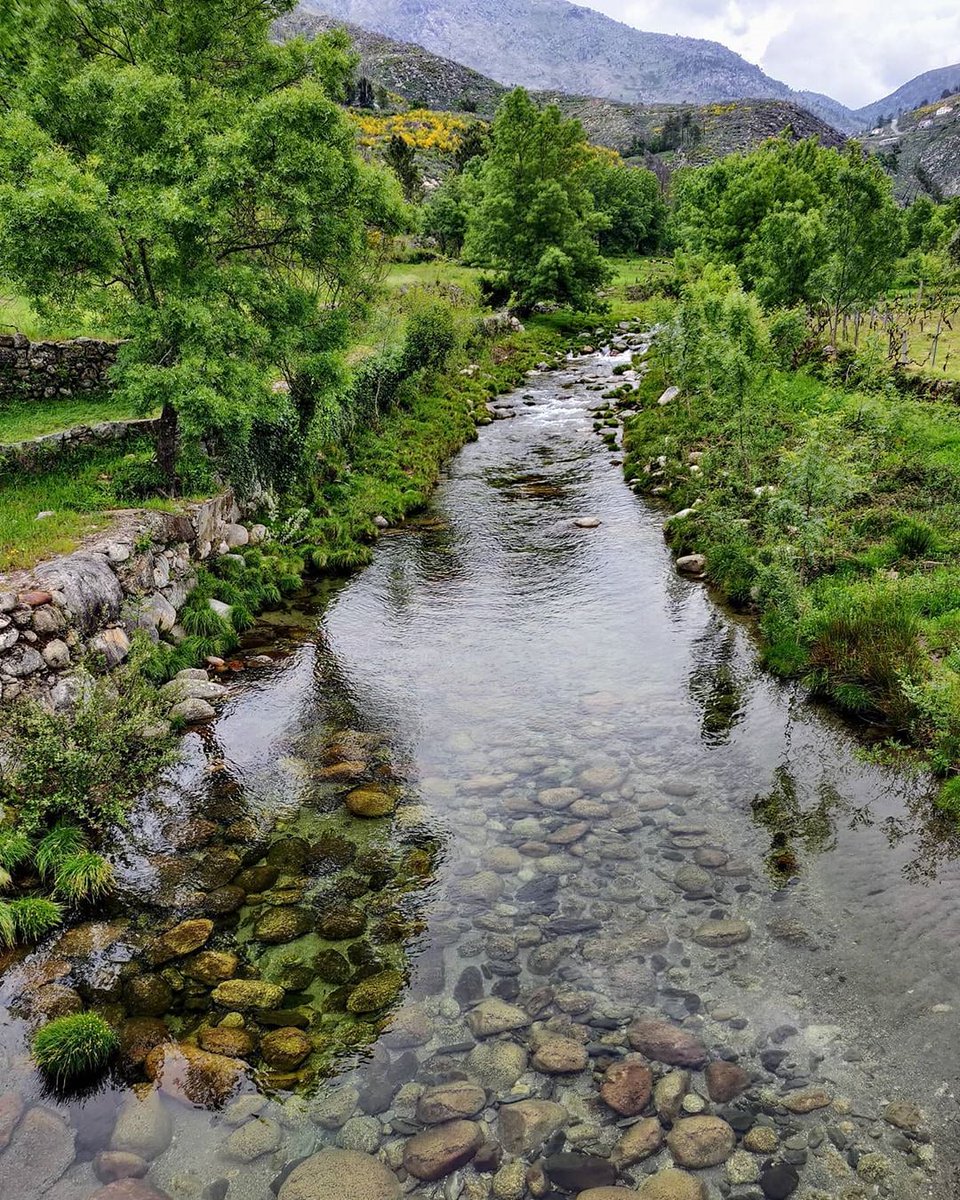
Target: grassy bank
x=834 y=515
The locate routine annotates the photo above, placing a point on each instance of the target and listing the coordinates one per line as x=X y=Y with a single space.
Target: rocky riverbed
x=469 y=892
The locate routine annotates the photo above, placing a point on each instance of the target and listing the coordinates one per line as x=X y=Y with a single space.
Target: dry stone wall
x=138 y=576
x=45 y=370
x=37 y=453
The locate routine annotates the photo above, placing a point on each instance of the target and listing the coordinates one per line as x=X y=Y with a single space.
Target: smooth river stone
x=666 y=1043
x=439 y=1151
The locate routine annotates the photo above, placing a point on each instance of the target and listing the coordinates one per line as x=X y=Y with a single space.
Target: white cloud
x=854 y=50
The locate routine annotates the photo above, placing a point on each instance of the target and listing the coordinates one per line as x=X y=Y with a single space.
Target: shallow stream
x=603 y=813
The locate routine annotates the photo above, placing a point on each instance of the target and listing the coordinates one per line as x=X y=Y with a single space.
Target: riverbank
x=568 y=904
x=831 y=513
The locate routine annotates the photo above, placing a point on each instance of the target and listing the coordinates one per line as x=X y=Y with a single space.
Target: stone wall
x=138 y=575
x=45 y=370
x=37 y=453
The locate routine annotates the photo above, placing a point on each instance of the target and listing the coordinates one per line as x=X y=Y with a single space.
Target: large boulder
x=40 y=1151
x=87 y=587
x=344 y=1174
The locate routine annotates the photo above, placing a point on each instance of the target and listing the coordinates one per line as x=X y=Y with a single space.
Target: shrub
x=75 y=1047
x=914 y=539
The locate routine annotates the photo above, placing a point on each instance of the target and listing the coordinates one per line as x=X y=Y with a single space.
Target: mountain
x=410 y=71
x=428 y=80
x=925 y=89
x=922 y=151
x=553 y=45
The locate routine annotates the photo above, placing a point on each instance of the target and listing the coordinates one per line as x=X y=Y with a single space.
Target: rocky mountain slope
x=555 y=45
x=704 y=132
x=922 y=151
x=925 y=89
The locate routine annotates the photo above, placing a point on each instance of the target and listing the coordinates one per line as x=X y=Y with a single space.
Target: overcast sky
x=854 y=50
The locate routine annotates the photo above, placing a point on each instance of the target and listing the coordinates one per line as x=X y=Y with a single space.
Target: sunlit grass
x=20 y=422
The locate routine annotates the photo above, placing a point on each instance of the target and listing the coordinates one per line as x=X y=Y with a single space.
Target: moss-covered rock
x=371 y=801
x=332 y=967
x=282 y=924
x=229 y=1041
x=211 y=966
x=257 y=879
x=332 y=849
x=248 y=993
x=183 y=939
x=285 y=1049
x=147 y=996
x=290 y=855
x=376 y=992
x=342 y=921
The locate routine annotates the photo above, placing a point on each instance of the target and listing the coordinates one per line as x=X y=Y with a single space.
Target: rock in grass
x=74 y=1047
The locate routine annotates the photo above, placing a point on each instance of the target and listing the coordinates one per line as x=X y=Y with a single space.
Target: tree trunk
x=167 y=443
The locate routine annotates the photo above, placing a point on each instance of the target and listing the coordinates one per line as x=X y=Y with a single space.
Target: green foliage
x=83 y=876
x=800 y=222
x=401 y=158
x=34 y=917
x=536 y=221
x=88 y=765
x=167 y=168
x=74 y=1047
x=630 y=201
x=62 y=842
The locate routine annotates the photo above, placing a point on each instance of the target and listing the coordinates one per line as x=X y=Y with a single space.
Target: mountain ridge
x=552 y=45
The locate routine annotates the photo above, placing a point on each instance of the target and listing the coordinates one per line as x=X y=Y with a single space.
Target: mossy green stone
x=376 y=992
x=371 y=802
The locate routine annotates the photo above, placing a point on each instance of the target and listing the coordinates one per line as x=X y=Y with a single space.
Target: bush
x=914 y=539
x=75 y=1047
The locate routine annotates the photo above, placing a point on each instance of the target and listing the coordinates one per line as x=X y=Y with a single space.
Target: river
x=604 y=817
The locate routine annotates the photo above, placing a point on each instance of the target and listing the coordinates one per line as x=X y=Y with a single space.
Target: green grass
x=428 y=274
x=849 y=561
x=74 y=1047
x=17 y=316
x=20 y=422
x=79 y=494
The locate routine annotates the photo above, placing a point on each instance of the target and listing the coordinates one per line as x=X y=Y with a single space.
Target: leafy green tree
x=536 y=221
x=447 y=213
x=800 y=222
x=401 y=158
x=166 y=167
x=630 y=200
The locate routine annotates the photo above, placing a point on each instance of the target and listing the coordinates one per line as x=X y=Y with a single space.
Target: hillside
x=408 y=70
x=922 y=151
x=556 y=46
x=925 y=89
x=425 y=79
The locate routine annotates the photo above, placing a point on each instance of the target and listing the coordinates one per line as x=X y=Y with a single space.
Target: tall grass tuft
x=74 y=1047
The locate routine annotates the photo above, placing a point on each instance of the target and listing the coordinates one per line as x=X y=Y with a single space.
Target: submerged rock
x=194 y=1075
x=439 y=1151
x=344 y=1174
x=666 y=1043
x=700 y=1142
x=525 y=1126
x=285 y=1048
x=376 y=992
x=143 y=1126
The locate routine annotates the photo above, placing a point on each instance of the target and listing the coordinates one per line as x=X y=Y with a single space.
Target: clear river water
x=605 y=818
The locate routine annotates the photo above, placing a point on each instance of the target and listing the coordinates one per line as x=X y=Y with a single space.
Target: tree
x=536 y=221
x=401 y=158
x=447 y=213
x=167 y=167
x=800 y=222
x=629 y=199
